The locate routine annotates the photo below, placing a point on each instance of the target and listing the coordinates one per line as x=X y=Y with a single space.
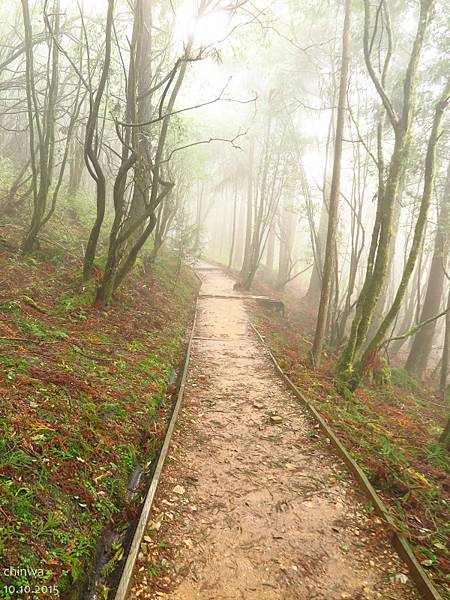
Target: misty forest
x=225 y=299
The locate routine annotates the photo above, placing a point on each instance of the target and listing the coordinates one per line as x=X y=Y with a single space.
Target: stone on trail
x=179 y=489
x=189 y=543
x=400 y=578
x=155 y=525
x=276 y=419
x=258 y=405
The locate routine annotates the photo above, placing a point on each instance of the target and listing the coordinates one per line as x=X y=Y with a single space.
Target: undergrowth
x=80 y=389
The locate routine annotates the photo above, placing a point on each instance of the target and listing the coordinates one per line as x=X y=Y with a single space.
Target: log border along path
x=253 y=504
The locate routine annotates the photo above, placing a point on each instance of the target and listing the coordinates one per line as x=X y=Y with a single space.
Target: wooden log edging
x=233 y=297
x=400 y=543
x=127 y=573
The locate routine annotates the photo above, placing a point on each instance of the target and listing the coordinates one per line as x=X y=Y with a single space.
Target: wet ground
x=252 y=503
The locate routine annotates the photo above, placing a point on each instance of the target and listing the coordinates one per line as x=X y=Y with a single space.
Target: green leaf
x=427 y=562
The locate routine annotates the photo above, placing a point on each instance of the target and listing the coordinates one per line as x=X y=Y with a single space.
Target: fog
x=251 y=142
x=226 y=220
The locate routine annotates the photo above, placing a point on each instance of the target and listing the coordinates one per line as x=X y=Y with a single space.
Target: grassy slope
x=391 y=430
x=80 y=389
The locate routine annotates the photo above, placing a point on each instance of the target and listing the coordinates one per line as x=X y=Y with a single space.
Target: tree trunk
x=124 y=247
x=240 y=232
x=377 y=263
x=384 y=295
x=445 y=352
x=417 y=361
x=445 y=436
x=430 y=169
x=408 y=315
x=12 y=202
x=41 y=126
x=91 y=152
x=267 y=197
x=288 y=223
x=318 y=242
x=270 y=254
x=76 y=163
x=249 y=218
x=233 y=232
x=330 y=259
x=142 y=172
x=199 y=220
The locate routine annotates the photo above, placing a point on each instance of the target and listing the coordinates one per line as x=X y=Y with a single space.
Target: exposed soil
x=252 y=504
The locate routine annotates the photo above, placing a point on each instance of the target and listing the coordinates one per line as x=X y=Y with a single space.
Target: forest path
x=252 y=504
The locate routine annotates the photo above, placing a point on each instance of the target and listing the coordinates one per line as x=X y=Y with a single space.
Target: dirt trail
x=249 y=507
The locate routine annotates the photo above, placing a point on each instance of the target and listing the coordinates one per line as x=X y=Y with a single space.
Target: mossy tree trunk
x=377 y=264
x=429 y=177
x=445 y=436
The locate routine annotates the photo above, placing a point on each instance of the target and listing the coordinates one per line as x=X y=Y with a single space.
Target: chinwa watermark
x=23 y=572
x=24 y=576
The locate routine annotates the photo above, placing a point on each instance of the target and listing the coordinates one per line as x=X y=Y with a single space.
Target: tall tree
x=41 y=123
x=417 y=361
x=330 y=254
x=129 y=232
x=233 y=226
x=378 y=258
x=92 y=145
x=419 y=230
x=288 y=224
x=249 y=212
